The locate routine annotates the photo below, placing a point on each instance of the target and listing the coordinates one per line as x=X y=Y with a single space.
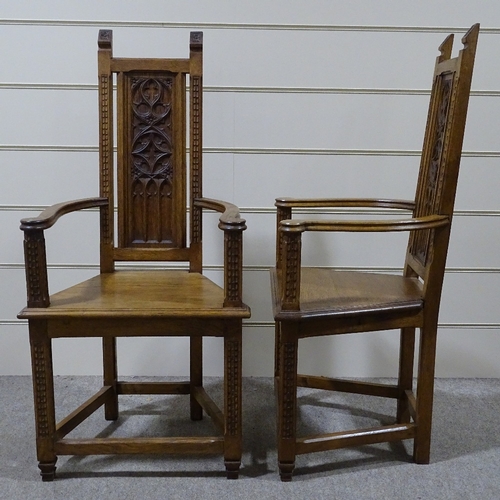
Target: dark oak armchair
x=154 y=185
x=312 y=302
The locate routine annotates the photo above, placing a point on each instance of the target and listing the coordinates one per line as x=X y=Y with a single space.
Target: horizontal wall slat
x=250 y=58
x=251 y=90
x=242 y=26
x=255 y=151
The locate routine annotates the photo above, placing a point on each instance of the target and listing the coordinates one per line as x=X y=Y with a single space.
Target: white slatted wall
x=317 y=98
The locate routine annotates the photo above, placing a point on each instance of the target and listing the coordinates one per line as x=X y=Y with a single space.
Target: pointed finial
x=104 y=39
x=471 y=35
x=196 y=40
x=445 y=48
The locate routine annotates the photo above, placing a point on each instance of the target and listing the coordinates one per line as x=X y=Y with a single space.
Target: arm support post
x=233 y=226
x=35 y=258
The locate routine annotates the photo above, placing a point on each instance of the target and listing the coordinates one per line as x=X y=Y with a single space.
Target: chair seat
x=329 y=293
x=138 y=294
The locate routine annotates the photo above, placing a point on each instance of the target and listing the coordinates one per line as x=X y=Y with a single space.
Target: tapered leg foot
x=421 y=452
x=232 y=399
x=287 y=403
x=232 y=469
x=286 y=471
x=47 y=471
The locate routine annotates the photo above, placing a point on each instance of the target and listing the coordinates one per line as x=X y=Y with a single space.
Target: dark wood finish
x=311 y=302
x=154 y=190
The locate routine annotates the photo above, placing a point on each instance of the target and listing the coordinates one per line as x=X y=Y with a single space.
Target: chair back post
x=105 y=83
x=440 y=161
x=195 y=150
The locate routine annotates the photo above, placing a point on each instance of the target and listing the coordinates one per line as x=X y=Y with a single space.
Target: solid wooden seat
x=312 y=302
x=159 y=219
x=123 y=293
x=330 y=293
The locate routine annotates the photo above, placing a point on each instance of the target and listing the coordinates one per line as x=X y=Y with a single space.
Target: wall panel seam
x=257 y=151
x=246 y=89
x=247 y=268
x=242 y=26
x=272 y=211
x=253 y=90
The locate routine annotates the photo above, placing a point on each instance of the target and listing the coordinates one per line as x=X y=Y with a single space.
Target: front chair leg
x=287 y=406
x=43 y=391
x=232 y=400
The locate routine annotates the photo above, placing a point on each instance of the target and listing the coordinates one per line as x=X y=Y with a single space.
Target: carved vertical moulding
x=36 y=270
x=289 y=390
x=105 y=156
x=233 y=250
x=292 y=246
x=40 y=386
x=233 y=369
x=282 y=213
x=196 y=181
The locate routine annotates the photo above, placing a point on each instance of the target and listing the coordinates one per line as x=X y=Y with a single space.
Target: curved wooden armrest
x=232 y=225
x=230 y=218
x=344 y=202
x=50 y=215
x=417 y=223
x=34 y=246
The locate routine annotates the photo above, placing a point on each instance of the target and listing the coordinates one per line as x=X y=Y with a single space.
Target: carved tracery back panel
x=153 y=199
x=434 y=163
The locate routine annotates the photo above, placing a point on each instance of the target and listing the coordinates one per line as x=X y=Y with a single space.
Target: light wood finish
x=153 y=196
x=312 y=302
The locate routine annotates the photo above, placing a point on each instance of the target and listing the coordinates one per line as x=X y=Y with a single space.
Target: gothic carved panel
x=431 y=184
x=151 y=162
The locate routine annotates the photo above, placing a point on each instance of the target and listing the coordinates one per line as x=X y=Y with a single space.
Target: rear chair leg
x=425 y=395
x=405 y=380
x=110 y=372
x=196 y=374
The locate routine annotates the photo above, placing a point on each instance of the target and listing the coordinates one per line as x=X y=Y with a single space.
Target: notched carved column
x=282 y=213
x=290 y=286
x=289 y=360
x=36 y=269
x=196 y=96
x=287 y=411
x=43 y=391
x=233 y=251
x=232 y=402
x=233 y=390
